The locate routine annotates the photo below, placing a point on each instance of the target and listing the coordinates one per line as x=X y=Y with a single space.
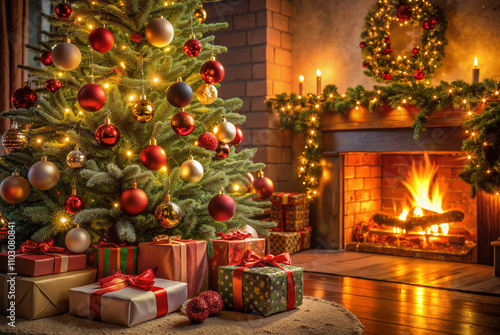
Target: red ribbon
x=283 y=209
x=303 y=237
x=238 y=235
x=252 y=259
x=118 y=281
x=43 y=247
x=109 y=244
x=117 y=70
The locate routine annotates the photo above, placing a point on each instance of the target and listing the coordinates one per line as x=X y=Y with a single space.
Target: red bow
x=252 y=259
x=116 y=282
x=109 y=244
x=40 y=247
x=238 y=235
x=117 y=70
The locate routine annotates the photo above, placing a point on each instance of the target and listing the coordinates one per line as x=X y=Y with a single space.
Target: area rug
x=315 y=316
x=462 y=277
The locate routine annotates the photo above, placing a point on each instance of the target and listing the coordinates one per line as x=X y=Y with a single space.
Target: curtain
x=13 y=37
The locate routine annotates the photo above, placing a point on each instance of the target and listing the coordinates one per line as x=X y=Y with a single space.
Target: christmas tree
x=121 y=92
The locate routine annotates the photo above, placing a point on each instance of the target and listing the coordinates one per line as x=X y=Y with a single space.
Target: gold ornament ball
x=76 y=159
x=168 y=214
x=77 y=240
x=206 y=94
x=200 y=14
x=191 y=171
x=66 y=56
x=43 y=175
x=225 y=131
x=4 y=226
x=14 y=140
x=143 y=110
x=159 y=32
x=14 y=189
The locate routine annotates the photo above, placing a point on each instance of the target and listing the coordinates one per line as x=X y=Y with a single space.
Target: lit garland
x=302 y=115
x=376 y=44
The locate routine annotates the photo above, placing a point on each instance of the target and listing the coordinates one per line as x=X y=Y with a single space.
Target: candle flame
x=475 y=61
x=301 y=78
x=318 y=72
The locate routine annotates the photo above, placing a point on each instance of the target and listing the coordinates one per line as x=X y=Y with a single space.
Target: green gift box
x=264 y=289
x=110 y=258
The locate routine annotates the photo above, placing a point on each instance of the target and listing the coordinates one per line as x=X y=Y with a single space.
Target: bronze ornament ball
x=15 y=189
x=66 y=56
x=200 y=14
x=77 y=240
x=4 y=226
x=159 y=32
x=168 y=213
x=76 y=159
x=207 y=94
x=43 y=175
x=14 y=139
x=143 y=110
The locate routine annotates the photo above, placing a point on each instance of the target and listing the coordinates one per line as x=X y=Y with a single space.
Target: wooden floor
x=391 y=308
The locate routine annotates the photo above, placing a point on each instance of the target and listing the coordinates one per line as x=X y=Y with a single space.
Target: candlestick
x=318 y=82
x=475 y=72
x=301 y=86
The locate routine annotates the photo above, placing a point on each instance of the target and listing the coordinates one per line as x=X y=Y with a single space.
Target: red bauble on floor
x=91 y=97
x=214 y=301
x=133 y=201
x=197 y=310
x=101 y=39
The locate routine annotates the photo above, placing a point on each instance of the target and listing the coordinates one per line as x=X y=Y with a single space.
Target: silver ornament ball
x=76 y=159
x=77 y=240
x=225 y=131
x=66 y=56
x=43 y=175
x=191 y=171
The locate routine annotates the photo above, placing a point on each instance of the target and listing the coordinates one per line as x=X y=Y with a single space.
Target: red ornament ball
x=182 y=123
x=179 y=94
x=415 y=51
x=387 y=50
x=222 y=150
x=133 y=201
x=73 y=204
x=418 y=75
x=46 y=58
x=434 y=21
x=387 y=40
x=362 y=44
x=208 y=141
x=153 y=157
x=403 y=12
x=387 y=76
x=214 y=301
x=107 y=135
x=426 y=25
x=64 y=11
x=192 y=47
x=53 y=85
x=238 y=138
x=101 y=39
x=221 y=207
x=364 y=65
x=212 y=72
x=197 y=310
x=24 y=98
x=91 y=97
x=263 y=186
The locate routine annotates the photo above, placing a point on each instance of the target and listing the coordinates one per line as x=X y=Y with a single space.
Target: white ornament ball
x=159 y=32
x=66 y=56
x=191 y=171
x=43 y=175
x=225 y=131
x=77 y=240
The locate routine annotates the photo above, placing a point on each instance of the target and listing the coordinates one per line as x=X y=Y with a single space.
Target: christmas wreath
x=378 y=57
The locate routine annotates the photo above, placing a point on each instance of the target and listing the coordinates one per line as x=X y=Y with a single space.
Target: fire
x=426 y=192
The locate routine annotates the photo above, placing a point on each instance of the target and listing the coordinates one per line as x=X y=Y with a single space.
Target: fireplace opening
x=412 y=205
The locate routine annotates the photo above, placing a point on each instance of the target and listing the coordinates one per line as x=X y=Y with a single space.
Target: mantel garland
x=378 y=58
x=482 y=148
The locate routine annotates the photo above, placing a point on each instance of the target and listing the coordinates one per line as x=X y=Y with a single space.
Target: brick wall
x=362 y=192
x=258 y=66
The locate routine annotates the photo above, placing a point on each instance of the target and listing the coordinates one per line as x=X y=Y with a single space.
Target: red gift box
x=40 y=259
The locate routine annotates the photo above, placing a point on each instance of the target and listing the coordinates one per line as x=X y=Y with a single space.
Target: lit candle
x=318 y=82
x=301 y=85
x=475 y=72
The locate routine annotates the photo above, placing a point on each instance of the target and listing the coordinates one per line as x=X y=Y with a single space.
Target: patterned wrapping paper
x=110 y=258
x=230 y=252
x=41 y=297
x=291 y=242
x=127 y=306
x=290 y=211
x=265 y=289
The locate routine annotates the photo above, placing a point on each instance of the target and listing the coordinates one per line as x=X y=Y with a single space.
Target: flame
x=301 y=78
x=403 y=215
x=318 y=72
x=475 y=62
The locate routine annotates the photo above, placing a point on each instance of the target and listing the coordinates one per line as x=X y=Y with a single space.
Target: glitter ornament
x=214 y=301
x=14 y=139
x=24 y=97
x=197 y=310
x=208 y=141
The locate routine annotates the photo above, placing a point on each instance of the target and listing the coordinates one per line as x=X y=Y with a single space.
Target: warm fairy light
x=484 y=100
x=236 y=187
x=167 y=49
x=106 y=85
x=450 y=90
x=470 y=113
x=331 y=95
x=318 y=72
x=116 y=205
x=79 y=18
x=129 y=153
x=435 y=97
x=301 y=169
x=155 y=79
x=38 y=140
x=403 y=215
x=485 y=144
x=122 y=64
x=215 y=130
x=63 y=220
x=404 y=101
x=464 y=101
x=496 y=92
x=317 y=106
x=131 y=98
x=90 y=26
x=301 y=78
x=165 y=4
x=343 y=95
x=488 y=171
x=66 y=110
x=313 y=119
x=473 y=134
x=469 y=157
x=80 y=112
x=60 y=74
x=164 y=168
x=67 y=139
x=124 y=47
x=399 y=107
x=475 y=61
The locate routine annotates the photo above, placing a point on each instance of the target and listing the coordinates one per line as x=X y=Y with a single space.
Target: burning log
x=412 y=223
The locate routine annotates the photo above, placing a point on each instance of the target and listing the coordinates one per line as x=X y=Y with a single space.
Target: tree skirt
x=315 y=316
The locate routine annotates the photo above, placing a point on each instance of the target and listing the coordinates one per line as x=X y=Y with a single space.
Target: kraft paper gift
x=40 y=297
x=43 y=258
x=290 y=211
x=175 y=259
x=126 y=299
x=291 y=242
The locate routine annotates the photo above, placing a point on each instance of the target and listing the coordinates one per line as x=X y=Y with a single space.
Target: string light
x=131 y=98
x=116 y=205
x=122 y=64
x=106 y=85
x=129 y=153
x=236 y=187
x=67 y=110
x=164 y=168
x=155 y=79
x=60 y=74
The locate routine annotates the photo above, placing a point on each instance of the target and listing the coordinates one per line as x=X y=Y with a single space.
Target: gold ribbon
x=176 y=239
x=167 y=239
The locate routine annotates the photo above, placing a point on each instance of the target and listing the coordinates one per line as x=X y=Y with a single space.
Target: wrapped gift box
x=230 y=252
x=110 y=258
x=40 y=259
x=184 y=261
x=40 y=297
x=291 y=242
x=290 y=211
x=127 y=301
x=263 y=290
